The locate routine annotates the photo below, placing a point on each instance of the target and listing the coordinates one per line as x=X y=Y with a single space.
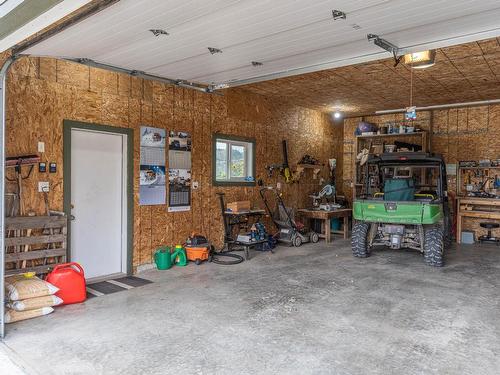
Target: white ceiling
x=288 y=36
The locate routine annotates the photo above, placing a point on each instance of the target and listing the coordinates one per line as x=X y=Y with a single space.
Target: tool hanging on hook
x=17 y=162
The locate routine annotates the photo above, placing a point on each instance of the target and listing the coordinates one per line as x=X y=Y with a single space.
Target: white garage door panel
x=289 y=36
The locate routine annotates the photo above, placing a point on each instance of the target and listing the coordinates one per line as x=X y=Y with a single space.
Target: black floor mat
x=106 y=287
x=133 y=281
x=101 y=288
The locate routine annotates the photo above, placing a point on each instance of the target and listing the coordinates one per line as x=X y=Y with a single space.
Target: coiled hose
x=215 y=257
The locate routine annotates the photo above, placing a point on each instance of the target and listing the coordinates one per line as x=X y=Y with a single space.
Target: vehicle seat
x=399 y=189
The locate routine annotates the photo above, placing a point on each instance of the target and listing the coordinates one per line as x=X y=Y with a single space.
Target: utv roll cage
x=407 y=159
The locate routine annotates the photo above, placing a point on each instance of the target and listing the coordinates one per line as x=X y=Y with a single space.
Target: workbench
x=479 y=208
x=237 y=220
x=326 y=217
x=248 y=245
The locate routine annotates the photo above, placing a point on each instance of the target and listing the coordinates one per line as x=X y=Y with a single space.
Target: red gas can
x=70 y=279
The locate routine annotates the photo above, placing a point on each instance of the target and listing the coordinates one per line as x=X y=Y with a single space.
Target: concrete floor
x=312 y=310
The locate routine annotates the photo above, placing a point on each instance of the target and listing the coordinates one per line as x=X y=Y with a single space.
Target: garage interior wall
x=43 y=92
x=468 y=133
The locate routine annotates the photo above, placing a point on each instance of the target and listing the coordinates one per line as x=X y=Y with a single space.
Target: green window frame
x=233 y=160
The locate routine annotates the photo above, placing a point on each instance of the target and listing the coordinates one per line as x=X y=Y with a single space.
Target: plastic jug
x=70 y=279
x=180 y=256
x=163 y=258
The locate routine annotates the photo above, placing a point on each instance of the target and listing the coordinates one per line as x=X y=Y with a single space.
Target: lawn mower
x=290 y=232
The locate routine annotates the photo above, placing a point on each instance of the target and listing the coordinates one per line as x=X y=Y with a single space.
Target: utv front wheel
x=433 y=246
x=360 y=239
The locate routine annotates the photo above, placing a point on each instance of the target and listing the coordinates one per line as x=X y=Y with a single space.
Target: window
x=233 y=160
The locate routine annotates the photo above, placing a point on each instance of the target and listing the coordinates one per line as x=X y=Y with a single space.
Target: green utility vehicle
x=403 y=204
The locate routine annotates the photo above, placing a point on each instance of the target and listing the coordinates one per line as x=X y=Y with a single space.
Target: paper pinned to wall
x=179 y=171
x=152 y=183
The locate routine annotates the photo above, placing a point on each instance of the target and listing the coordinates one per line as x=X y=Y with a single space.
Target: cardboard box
x=241 y=206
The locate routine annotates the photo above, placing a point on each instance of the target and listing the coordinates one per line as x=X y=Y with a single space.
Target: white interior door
x=98 y=199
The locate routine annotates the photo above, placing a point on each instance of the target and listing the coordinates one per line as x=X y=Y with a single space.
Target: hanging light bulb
x=421 y=60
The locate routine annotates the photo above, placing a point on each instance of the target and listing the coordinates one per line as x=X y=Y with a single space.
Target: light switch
x=41 y=146
x=196 y=185
x=43 y=186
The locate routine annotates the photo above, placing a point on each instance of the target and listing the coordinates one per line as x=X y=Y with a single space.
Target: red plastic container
x=70 y=279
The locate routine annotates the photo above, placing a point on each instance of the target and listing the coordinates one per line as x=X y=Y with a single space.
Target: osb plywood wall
x=470 y=133
x=44 y=92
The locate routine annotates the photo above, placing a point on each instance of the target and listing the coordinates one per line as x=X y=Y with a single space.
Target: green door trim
x=69 y=125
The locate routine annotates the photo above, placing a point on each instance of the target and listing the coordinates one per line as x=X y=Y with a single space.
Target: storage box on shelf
x=240 y=206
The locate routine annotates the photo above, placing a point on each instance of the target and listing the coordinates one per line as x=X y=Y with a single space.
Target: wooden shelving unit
x=368 y=141
x=34 y=243
x=477 y=208
x=300 y=169
x=469 y=206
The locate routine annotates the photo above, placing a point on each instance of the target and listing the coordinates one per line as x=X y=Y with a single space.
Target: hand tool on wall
x=286 y=168
x=271 y=168
x=18 y=162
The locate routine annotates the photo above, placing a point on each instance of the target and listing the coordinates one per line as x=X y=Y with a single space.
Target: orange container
x=197 y=254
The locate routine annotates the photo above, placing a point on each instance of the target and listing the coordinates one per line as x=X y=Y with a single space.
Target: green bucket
x=163 y=258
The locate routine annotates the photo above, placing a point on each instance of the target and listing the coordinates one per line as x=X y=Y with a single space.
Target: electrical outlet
x=41 y=146
x=43 y=187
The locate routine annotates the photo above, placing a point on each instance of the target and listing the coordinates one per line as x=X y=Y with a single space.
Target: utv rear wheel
x=433 y=246
x=360 y=240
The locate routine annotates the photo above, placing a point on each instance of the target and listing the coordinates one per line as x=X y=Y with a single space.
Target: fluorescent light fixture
x=7 y=6
x=421 y=60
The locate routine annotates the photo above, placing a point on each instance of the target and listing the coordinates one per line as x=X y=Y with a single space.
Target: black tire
x=447 y=225
x=359 y=239
x=314 y=237
x=197 y=262
x=297 y=241
x=434 y=246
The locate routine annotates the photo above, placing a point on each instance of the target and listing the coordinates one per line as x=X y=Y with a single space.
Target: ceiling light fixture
x=213 y=50
x=337 y=115
x=421 y=60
